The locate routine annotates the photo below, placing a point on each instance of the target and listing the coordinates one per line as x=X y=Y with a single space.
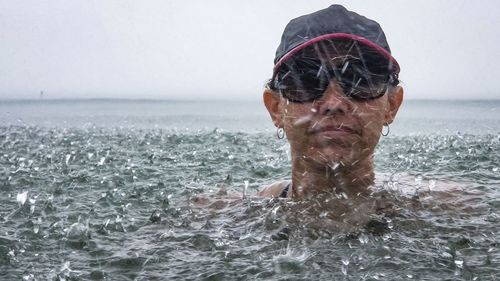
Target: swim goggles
x=305 y=79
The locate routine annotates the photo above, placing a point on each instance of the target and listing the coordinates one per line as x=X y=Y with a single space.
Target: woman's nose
x=334 y=101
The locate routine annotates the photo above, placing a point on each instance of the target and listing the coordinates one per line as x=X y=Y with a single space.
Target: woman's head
x=333 y=93
x=361 y=72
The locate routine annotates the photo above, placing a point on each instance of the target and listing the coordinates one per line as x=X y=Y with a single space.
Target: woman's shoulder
x=424 y=187
x=275 y=189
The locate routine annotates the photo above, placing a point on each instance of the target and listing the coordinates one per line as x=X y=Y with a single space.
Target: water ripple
x=142 y=204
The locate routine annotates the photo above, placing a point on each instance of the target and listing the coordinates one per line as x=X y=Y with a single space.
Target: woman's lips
x=334 y=130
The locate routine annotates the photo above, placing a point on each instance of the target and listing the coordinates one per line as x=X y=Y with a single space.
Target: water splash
x=21 y=198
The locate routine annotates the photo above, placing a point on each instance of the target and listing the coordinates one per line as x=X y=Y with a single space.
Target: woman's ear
x=272 y=102
x=395 y=98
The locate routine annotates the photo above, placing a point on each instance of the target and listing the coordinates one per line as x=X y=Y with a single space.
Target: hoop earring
x=385 y=134
x=280 y=133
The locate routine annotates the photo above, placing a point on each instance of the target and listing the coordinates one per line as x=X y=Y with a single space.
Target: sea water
x=152 y=190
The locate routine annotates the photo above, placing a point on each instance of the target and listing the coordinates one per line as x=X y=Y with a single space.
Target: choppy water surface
x=89 y=202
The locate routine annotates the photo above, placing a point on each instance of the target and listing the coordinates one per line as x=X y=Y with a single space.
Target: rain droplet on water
x=432 y=184
x=101 y=161
x=418 y=180
x=32 y=207
x=65 y=267
x=363 y=239
x=245 y=189
x=77 y=232
x=274 y=211
x=21 y=197
x=106 y=223
x=29 y=277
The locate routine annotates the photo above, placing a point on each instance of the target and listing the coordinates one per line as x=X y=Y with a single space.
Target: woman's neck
x=309 y=178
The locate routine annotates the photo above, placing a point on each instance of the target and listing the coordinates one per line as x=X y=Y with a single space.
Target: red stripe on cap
x=359 y=39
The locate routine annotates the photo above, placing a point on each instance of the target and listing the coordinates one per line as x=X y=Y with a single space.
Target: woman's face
x=333 y=129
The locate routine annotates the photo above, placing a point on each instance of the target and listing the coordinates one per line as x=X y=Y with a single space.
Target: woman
x=333 y=92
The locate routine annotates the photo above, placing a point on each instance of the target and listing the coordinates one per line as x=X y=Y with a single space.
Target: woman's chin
x=332 y=157
x=329 y=155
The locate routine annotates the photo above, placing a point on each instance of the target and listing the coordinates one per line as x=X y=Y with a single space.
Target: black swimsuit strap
x=284 y=192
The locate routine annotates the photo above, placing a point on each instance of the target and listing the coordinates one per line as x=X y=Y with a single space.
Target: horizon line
x=207 y=99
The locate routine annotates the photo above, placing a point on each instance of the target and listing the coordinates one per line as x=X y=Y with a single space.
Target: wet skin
x=332 y=139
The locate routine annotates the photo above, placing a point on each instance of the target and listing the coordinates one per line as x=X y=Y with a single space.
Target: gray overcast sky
x=225 y=48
